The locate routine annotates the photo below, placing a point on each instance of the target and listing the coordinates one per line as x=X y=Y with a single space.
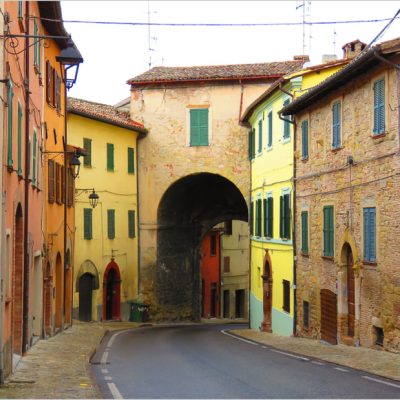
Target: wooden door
x=85 y=297
x=328 y=316
x=267 y=299
x=213 y=300
x=350 y=295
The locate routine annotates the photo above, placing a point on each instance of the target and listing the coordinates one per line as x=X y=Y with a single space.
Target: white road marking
x=341 y=369
x=112 y=338
x=104 y=371
x=317 y=362
x=264 y=347
x=108 y=378
x=238 y=338
x=104 y=358
x=114 y=391
x=290 y=355
x=379 y=381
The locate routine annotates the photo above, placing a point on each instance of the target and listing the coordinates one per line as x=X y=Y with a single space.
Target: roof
x=315 y=68
x=217 y=72
x=104 y=113
x=362 y=63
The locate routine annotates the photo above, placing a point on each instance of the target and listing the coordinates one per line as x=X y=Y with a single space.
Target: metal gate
x=328 y=316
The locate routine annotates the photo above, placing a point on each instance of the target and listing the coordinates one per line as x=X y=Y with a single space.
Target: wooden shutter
x=370 y=234
x=328 y=231
x=87 y=223
x=281 y=217
x=58 y=183
x=110 y=157
x=10 y=124
x=250 y=144
x=111 y=223
x=51 y=181
x=379 y=106
x=304 y=232
x=199 y=127
x=265 y=221
x=53 y=87
x=251 y=218
x=286 y=124
x=131 y=160
x=304 y=137
x=258 y=217
x=269 y=129
x=260 y=133
x=62 y=180
x=227 y=264
x=34 y=145
x=336 y=125
x=286 y=211
x=87 y=159
x=70 y=187
x=19 y=139
x=131 y=223
x=48 y=82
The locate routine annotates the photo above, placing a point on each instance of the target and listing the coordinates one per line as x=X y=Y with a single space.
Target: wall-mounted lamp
x=69 y=58
x=93 y=197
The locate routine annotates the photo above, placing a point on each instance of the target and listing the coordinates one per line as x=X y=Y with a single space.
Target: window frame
x=131 y=160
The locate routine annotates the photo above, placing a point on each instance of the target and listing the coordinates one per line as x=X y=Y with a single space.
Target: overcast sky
x=113 y=54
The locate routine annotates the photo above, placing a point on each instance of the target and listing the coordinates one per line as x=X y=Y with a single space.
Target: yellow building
x=272 y=283
x=106 y=253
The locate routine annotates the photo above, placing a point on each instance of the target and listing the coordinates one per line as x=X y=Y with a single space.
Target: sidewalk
x=376 y=362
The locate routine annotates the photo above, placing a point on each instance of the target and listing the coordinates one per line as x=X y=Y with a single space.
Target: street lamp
x=69 y=59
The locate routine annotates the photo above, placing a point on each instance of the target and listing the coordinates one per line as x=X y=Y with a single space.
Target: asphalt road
x=204 y=361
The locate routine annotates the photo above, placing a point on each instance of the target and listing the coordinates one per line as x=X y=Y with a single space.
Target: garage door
x=328 y=316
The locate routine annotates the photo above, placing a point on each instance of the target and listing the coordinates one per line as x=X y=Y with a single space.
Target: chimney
x=304 y=58
x=328 y=58
x=353 y=49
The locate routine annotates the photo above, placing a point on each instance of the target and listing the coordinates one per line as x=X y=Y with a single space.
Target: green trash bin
x=139 y=312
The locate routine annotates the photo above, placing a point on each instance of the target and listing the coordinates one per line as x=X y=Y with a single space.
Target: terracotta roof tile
x=217 y=72
x=105 y=113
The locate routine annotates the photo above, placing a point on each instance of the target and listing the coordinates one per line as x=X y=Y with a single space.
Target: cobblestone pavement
x=59 y=366
x=373 y=361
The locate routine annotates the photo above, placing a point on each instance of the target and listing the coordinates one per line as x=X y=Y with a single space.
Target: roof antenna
x=149 y=37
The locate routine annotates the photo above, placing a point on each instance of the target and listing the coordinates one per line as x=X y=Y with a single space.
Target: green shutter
x=286 y=124
x=269 y=129
x=304 y=232
x=20 y=12
x=87 y=159
x=131 y=160
x=265 y=221
x=110 y=157
x=199 y=127
x=87 y=223
x=251 y=218
x=281 y=217
x=10 y=123
x=270 y=216
x=260 y=133
x=34 y=145
x=379 y=106
x=111 y=223
x=336 y=125
x=370 y=234
x=286 y=217
x=258 y=218
x=328 y=231
x=304 y=137
x=19 y=139
x=131 y=223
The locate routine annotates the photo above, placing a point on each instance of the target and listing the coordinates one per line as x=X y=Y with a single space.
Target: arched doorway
x=68 y=288
x=47 y=306
x=112 y=292
x=351 y=309
x=267 y=297
x=85 y=296
x=189 y=208
x=59 y=292
x=18 y=283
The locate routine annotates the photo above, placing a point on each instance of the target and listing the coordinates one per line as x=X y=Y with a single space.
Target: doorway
x=350 y=294
x=85 y=297
x=328 y=316
x=226 y=304
x=213 y=300
x=239 y=303
x=266 y=325
x=111 y=292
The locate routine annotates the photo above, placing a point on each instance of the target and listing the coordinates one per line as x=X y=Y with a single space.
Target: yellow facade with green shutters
x=271 y=153
x=111 y=241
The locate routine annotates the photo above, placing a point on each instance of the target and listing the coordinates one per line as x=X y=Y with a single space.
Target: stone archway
x=187 y=210
x=266 y=325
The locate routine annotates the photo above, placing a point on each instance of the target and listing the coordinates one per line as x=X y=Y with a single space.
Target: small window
x=87 y=159
x=260 y=133
x=110 y=157
x=131 y=160
x=379 y=106
x=304 y=232
x=285 y=216
x=131 y=224
x=252 y=144
x=213 y=245
x=269 y=143
x=111 y=224
x=306 y=318
x=227 y=264
x=87 y=223
x=304 y=139
x=228 y=227
x=336 y=128
x=370 y=234
x=328 y=231
x=286 y=295
x=286 y=123
x=199 y=127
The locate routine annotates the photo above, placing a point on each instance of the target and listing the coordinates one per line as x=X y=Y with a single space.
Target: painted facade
x=193 y=171
x=272 y=293
x=106 y=267
x=347 y=191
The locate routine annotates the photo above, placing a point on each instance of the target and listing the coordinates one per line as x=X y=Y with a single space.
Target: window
x=111 y=224
x=131 y=160
x=306 y=317
x=87 y=223
x=70 y=187
x=269 y=143
x=251 y=218
x=258 y=218
x=131 y=224
x=286 y=123
x=10 y=123
x=336 y=116
x=110 y=157
x=286 y=295
x=268 y=216
x=252 y=144
x=260 y=136
x=51 y=181
x=213 y=245
x=20 y=10
x=62 y=184
x=227 y=264
x=379 y=106
x=34 y=145
x=370 y=234
x=285 y=216
x=199 y=127
x=328 y=231
x=58 y=183
x=87 y=159
x=19 y=171
x=304 y=139
x=304 y=232
x=36 y=47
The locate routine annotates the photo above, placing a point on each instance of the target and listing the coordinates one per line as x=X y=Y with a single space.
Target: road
x=205 y=361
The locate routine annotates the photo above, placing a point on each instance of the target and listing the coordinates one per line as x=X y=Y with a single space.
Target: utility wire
x=384 y=29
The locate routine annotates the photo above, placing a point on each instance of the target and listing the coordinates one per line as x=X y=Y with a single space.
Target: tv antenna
x=149 y=37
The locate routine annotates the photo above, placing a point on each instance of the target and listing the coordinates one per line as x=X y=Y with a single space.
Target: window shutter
x=336 y=108
x=367 y=239
x=251 y=219
x=286 y=210
x=87 y=223
x=370 y=234
x=48 y=82
x=199 y=127
x=131 y=160
x=131 y=223
x=258 y=217
x=304 y=136
x=286 y=124
x=260 y=136
x=379 y=106
x=304 y=232
x=110 y=157
x=270 y=213
x=62 y=184
x=34 y=145
x=250 y=144
x=19 y=139
x=53 y=87
x=87 y=159
x=10 y=124
x=70 y=187
x=111 y=223
x=270 y=129
x=51 y=181
x=328 y=231
x=265 y=220
x=281 y=215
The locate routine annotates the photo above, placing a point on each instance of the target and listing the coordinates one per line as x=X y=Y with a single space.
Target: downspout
x=293 y=122
x=25 y=310
x=65 y=144
x=138 y=216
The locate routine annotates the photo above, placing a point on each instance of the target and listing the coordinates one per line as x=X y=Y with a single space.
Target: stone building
x=347 y=185
x=193 y=170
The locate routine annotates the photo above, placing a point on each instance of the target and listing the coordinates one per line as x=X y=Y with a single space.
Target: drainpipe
x=293 y=122
x=138 y=215
x=65 y=144
x=25 y=311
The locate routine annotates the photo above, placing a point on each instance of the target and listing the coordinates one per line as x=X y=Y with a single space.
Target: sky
x=115 y=53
